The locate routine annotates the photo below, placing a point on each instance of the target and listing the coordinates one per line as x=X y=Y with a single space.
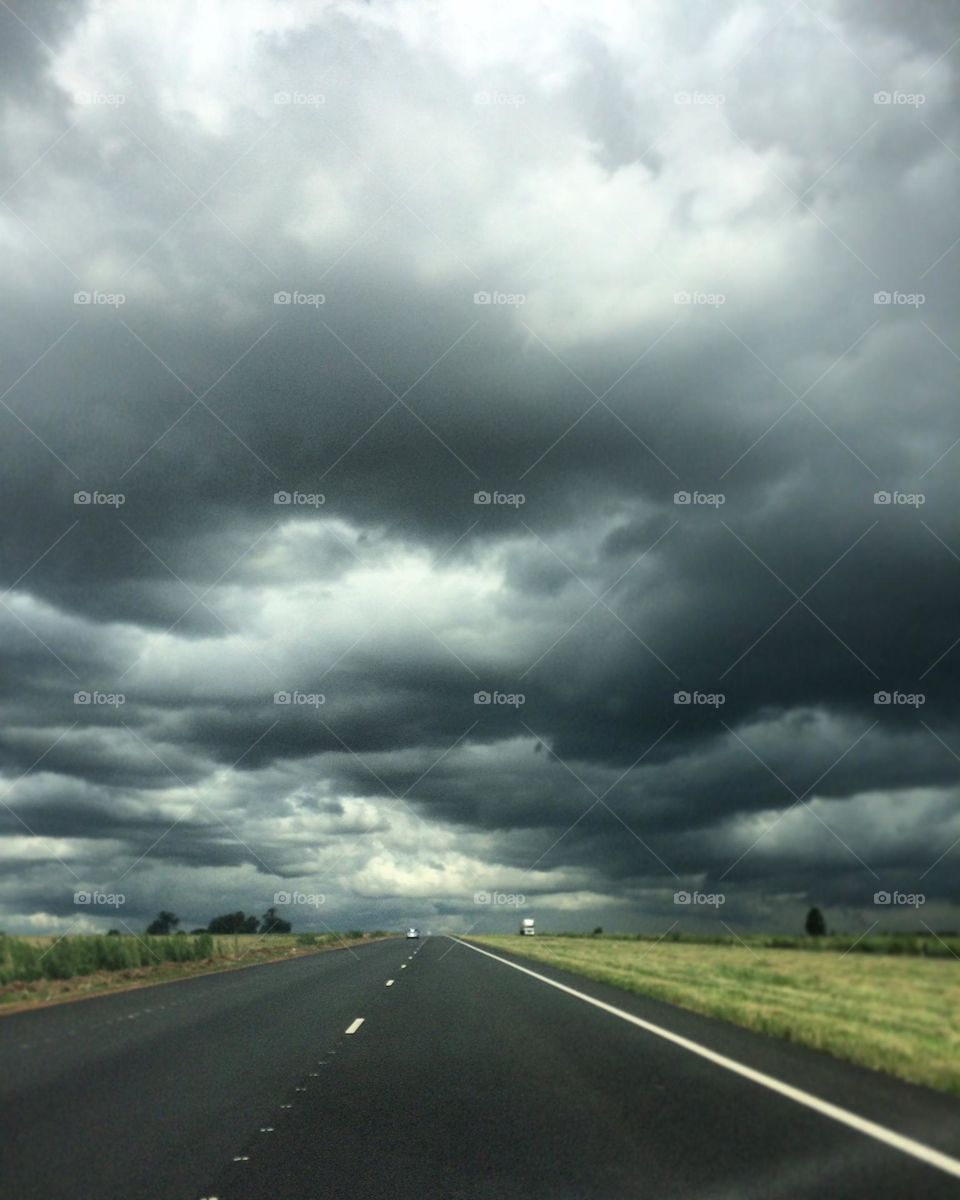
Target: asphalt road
x=466 y=1078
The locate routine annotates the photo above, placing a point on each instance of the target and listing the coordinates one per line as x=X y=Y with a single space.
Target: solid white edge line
x=889 y=1137
x=354 y=1025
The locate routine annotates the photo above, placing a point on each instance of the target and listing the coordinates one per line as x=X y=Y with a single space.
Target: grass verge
x=892 y=1013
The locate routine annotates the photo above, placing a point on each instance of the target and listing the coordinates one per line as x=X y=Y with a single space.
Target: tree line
x=165 y=923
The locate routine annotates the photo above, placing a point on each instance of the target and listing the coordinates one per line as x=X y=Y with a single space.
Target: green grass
x=37 y=970
x=892 y=1011
x=23 y=960
x=925 y=945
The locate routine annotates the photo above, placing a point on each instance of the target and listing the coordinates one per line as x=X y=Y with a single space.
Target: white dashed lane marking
x=354 y=1025
x=389 y=983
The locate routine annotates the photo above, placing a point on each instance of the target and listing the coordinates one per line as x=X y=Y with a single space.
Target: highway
x=464 y=1077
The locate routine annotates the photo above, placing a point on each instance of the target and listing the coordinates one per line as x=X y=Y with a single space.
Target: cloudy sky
x=606 y=359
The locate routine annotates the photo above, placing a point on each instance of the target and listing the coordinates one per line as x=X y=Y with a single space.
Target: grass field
x=44 y=970
x=894 y=1012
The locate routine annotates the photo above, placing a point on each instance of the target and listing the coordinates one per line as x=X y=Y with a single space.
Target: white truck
x=527 y=927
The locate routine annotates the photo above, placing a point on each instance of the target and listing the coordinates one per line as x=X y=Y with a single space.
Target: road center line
x=354 y=1025
x=880 y=1133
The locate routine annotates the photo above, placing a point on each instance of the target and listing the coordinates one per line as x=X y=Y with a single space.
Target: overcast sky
x=718 y=245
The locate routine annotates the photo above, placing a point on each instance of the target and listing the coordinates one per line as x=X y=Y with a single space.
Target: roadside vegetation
x=890 y=1004
x=36 y=970
x=925 y=945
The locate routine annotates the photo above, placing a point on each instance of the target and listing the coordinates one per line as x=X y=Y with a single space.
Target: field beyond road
x=894 y=1013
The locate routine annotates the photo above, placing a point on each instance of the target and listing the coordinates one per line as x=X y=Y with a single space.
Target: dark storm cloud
x=572 y=175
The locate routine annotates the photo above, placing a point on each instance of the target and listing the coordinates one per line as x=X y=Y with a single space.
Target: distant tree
x=113 y=933
x=815 y=925
x=163 y=924
x=598 y=931
x=237 y=922
x=194 y=932
x=272 y=922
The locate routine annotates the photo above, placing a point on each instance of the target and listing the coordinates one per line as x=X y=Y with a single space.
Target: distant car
x=413 y=933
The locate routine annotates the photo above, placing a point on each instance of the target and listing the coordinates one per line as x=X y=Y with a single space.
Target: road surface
x=464 y=1077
